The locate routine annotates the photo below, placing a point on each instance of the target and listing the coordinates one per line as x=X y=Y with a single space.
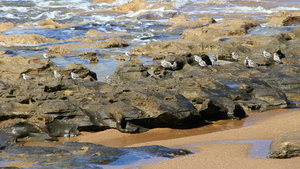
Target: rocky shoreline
x=140 y=97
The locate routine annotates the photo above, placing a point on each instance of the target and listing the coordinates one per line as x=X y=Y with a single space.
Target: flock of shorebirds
x=173 y=66
x=56 y=75
x=214 y=60
x=55 y=72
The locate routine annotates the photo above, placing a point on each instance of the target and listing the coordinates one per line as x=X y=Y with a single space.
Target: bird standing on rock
x=47 y=56
x=74 y=76
x=197 y=58
x=128 y=54
x=26 y=77
x=267 y=55
x=56 y=74
x=168 y=65
x=200 y=61
x=214 y=59
x=235 y=56
x=276 y=58
x=250 y=63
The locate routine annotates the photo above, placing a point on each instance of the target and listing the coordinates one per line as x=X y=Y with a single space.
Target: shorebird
x=74 y=76
x=47 y=56
x=214 y=59
x=128 y=54
x=250 y=63
x=56 y=74
x=267 y=55
x=26 y=77
x=168 y=65
x=197 y=58
x=174 y=66
x=235 y=56
x=109 y=79
x=202 y=62
x=276 y=58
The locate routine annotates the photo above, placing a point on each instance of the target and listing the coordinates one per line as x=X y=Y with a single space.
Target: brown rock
x=162 y=48
x=134 y=5
x=13 y=67
x=130 y=71
x=80 y=69
x=90 y=56
x=182 y=22
x=4 y=26
x=51 y=24
x=284 y=18
x=23 y=39
x=94 y=32
x=111 y=42
x=294 y=34
x=61 y=49
x=286 y=145
x=237 y=27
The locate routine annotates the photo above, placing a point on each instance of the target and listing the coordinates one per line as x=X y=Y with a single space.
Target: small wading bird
x=47 y=56
x=267 y=55
x=235 y=56
x=276 y=58
x=74 y=76
x=128 y=54
x=214 y=59
x=250 y=63
x=197 y=58
x=200 y=61
x=168 y=65
x=56 y=74
x=26 y=77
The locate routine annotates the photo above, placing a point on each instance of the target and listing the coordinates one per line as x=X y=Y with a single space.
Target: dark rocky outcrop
x=132 y=100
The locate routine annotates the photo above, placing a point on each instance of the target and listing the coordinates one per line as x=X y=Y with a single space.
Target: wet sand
x=231 y=154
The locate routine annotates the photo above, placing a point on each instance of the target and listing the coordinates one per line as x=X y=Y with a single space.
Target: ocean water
x=136 y=27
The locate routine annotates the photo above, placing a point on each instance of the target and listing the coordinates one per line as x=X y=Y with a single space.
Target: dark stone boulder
x=60 y=117
x=222 y=108
x=130 y=71
x=158 y=107
x=24 y=129
x=272 y=96
x=285 y=84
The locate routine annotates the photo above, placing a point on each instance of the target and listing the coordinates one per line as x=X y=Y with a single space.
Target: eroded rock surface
x=86 y=155
x=285 y=146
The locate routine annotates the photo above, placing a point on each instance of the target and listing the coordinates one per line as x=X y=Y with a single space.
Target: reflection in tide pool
x=232 y=85
x=260 y=147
